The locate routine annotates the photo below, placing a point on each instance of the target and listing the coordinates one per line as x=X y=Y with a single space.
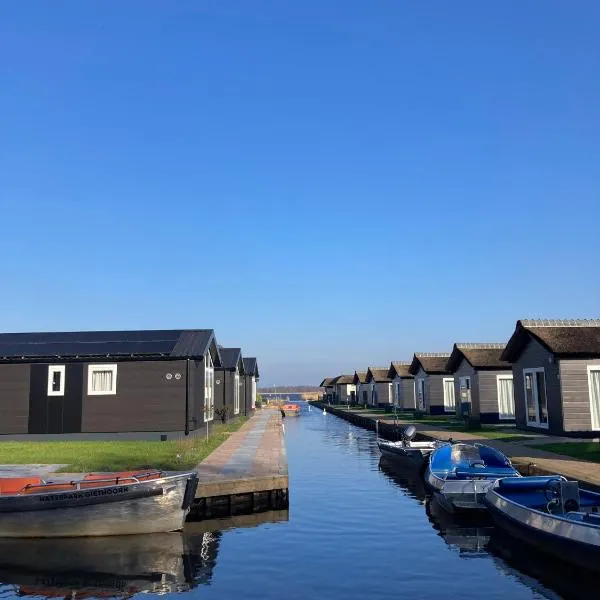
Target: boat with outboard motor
x=551 y=514
x=98 y=504
x=460 y=474
x=406 y=449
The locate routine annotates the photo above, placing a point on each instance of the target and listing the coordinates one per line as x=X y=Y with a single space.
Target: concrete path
x=43 y=471
x=252 y=459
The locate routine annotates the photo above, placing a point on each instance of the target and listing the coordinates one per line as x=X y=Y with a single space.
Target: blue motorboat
x=460 y=474
x=550 y=513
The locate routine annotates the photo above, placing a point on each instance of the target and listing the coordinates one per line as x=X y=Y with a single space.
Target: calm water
x=356 y=528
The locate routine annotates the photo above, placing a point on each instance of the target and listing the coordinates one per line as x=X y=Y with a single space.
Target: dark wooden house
x=483 y=382
x=107 y=381
x=229 y=384
x=381 y=386
x=403 y=385
x=251 y=377
x=556 y=373
x=434 y=384
x=328 y=386
x=363 y=389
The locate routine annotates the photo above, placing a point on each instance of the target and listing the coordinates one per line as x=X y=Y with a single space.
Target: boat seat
x=16 y=485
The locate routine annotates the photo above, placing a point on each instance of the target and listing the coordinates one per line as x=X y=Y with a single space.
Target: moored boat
x=551 y=514
x=99 y=504
x=291 y=410
x=460 y=474
x=406 y=449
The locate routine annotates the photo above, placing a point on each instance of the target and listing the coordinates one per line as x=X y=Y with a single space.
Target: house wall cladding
x=407 y=394
x=14 y=398
x=536 y=356
x=384 y=397
x=487 y=388
x=145 y=400
x=466 y=370
x=576 y=394
x=435 y=389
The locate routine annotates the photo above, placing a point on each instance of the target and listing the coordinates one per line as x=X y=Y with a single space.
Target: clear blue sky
x=328 y=184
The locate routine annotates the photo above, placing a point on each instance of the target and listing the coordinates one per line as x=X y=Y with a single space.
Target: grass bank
x=84 y=456
x=580 y=450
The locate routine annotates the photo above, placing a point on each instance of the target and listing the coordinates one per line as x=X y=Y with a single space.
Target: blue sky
x=328 y=184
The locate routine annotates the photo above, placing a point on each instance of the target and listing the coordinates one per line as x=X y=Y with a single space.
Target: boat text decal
x=86 y=494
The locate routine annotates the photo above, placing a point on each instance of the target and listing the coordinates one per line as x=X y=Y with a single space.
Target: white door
x=534 y=381
x=506 y=399
x=594 y=383
x=449 y=400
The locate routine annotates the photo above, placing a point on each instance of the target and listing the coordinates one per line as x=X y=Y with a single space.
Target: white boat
x=406 y=449
x=461 y=474
x=99 y=504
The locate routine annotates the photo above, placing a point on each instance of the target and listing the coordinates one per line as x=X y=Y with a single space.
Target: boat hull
x=458 y=495
x=413 y=457
x=153 y=506
x=558 y=537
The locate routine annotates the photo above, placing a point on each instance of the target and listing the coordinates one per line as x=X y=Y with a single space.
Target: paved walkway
x=252 y=459
x=541 y=461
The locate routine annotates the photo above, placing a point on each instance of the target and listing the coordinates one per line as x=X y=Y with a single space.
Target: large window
x=102 y=380
x=449 y=399
x=56 y=380
x=536 y=402
x=236 y=395
x=209 y=389
x=506 y=400
x=594 y=383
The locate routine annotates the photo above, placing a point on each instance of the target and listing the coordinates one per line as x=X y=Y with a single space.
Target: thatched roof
x=565 y=338
x=360 y=377
x=479 y=356
x=344 y=379
x=327 y=382
x=431 y=362
x=399 y=369
x=378 y=374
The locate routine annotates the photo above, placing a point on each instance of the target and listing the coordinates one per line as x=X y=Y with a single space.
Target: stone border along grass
x=104 y=455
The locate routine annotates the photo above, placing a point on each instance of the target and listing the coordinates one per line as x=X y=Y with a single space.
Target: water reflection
x=119 y=566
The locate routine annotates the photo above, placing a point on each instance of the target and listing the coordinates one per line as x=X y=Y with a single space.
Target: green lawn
x=581 y=450
x=86 y=456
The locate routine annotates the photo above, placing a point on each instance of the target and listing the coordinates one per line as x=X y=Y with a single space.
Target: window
x=253 y=392
x=56 y=380
x=506 y=400
x=397 y=399
x=102 y=380
x=464 y=383
x=236 y=395
x=594 y=383
x=420 y=394
x=534 y=381
x=449 y=399
x=209 y=389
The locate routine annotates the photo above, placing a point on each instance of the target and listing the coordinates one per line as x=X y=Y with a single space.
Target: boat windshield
x=471 y=454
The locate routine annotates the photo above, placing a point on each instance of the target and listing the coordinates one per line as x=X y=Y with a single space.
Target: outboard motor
x=408 y=433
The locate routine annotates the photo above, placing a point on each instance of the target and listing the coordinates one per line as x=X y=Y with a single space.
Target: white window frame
x=447 y=408
x=397 y=393
x=590 y=370
x=209 y=389
x=537 y=423
x=253 y=392
x=236 y=394
x=102 y=367
x=500 y=378
x=56 y=369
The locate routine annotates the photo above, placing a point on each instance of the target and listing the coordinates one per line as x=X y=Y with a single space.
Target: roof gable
x=479 y=356
x=327 y=382
x=360 y=377
x=564 y=338
x=250 y=366
x=399 y=369
x=378 y=375
x=168 y=343
x=432 y=363
x=344 y=379
x=231 y=358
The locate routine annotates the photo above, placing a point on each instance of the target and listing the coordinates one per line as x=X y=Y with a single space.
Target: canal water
x=357 y=528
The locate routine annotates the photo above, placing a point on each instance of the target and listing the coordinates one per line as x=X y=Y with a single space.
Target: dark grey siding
x=576 y=394
x=145 y=400
x=435 y=390
x=14 y=398
x=421 y=375
x=220 y=390
x=196 y=394
x=466 y=370
x=536 y=356
x=487 y=388
x=407 y=394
